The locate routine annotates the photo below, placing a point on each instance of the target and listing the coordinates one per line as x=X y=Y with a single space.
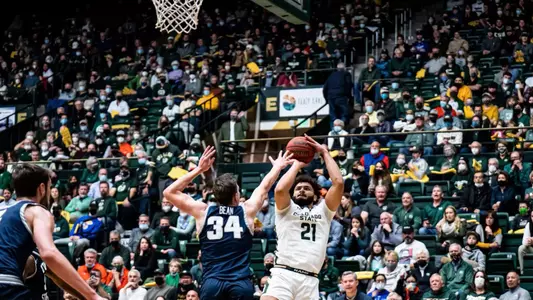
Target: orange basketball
x=301 y=150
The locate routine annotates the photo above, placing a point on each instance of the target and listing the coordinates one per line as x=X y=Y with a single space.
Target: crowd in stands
x=428 y=210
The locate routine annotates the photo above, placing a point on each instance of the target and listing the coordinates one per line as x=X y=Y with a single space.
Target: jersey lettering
x=309 y=232
x=219 y=228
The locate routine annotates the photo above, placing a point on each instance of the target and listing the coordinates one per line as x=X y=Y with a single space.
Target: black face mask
x=164 y=229
x=502 y=182
x=159 y=280
x=433 y=118
x=517 y=111
x=114 y=244
x=419 y=105
x=57 y=213
x=93 y=211
x=269 y=266
x=422 y=263
x=118 y=98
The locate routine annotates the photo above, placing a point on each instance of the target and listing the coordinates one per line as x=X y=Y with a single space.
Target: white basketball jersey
x=303 y=236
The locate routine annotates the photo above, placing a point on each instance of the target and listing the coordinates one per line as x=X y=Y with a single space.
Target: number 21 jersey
x=303 y=236
x=226 y=242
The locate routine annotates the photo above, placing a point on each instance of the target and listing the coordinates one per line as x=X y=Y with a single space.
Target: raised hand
x=319 y=148
x=283 y=160
x=207 y=159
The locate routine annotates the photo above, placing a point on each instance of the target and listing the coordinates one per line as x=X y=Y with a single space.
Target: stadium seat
x=258 y=248
x=511 y=242
x=496 y=284
x=526 y=282
x=503 y=220
x=414 y=188
x=347 y=265
x=528 y=264
x=430 y=241
x=501 y=263
x=444 y=185
x=258 y=266
x=469 y=216
x=271 y=245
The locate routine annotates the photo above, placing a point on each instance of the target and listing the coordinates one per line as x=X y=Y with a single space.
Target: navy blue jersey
x=16 y=242
x=226 y=241
x=37 y=281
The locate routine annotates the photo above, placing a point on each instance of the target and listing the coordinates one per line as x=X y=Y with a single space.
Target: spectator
x=107 y=207
x=165 y=240
x=145 y=259
x=340 y=143
x=337 y=91
x=503 y=195
x=399 y=65
x=185 y=226
x=161 y=289
x=380 y=176
x=457 y=274
x=492 y=234
x=235 y=128
x=437 y=290
x=186 y=284
x=79 y=206
x=388 y=233
x=515 y=290
x=114 y=249
x=433 y=213
x=358 y=238
x=471 y=253
x=328 y=278
x=376 y=259
x=424 y=140
x=409 y=249
x=371 y=211
x=387 y=105
x=350 y=283
x=118 y=106
x=94 y=189
x=450 y=229
x=422 y=270
x=165 y=156
x=95 y=283
x=378 y=290
x=119 y=276
x=366 y=79
x=132 y=290
x=173 y=276
x=143 y=230
x=445 y=137
x=527 y=242
x=522 y=218
x=369 y=160
x=411 y=291
x=166 y=211
x=86 y=271
x=268 y=262
x=267 y=218
x=408 y=214
x=335 y=238
x=457 y=43
x=519 y=171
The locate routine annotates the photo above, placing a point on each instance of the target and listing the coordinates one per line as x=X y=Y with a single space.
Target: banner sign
x=292 y=103
x=7 y=117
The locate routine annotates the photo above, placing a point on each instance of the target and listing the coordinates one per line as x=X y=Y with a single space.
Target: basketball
x=301 y=150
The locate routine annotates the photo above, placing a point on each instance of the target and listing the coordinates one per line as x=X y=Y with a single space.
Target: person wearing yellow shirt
x=208 y=101
x=468 y=109
x=463 y=91
x=490 y=111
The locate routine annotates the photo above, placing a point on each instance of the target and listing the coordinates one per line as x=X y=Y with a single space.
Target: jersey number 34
x=218 y=229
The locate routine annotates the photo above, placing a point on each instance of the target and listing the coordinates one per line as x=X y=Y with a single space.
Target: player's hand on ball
x=319 y=148
x=283 y=160
x=207 y=159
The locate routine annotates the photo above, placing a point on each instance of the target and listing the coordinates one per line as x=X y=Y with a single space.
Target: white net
x=179 y=16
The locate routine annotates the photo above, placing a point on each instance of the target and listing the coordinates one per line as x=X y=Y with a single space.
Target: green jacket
x=107 y=207
x=519 y=177
x=165 y=159
x=164 y=242
x=434 y=214
x=399 y=65
x=328 y=279
x=486 y=296
x=367 y=75
x=457 y=278
x=443 y=294
x=411 y=217
x=172 y=280
x=61 y=229
x=109 y=253
x=479 y=159
x=5 y=180
x=78 y=207
x=88 y=176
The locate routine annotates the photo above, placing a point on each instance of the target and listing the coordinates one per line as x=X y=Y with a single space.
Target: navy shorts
x=214 y=289
x=14 y=292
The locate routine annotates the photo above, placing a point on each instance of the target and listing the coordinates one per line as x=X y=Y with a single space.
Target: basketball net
x=179 y=16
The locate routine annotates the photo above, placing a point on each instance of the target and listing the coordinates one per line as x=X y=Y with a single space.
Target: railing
x=314 y=115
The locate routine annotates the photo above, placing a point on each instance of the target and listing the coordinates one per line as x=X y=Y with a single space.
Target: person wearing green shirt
x=479 y=289
x=90 y=174
x=107 y=206
x=519 y=170
x=407 y=214
x=144 y=177
x=79 y=206
x=61 y=228
x=5 y=176
x=457 y=274
x=173 y=276
x=328 y=278
x=165 y=156
x=114 y=249
x=23 y=150
x=165 y=240
x=124 y=190
x=437 y=289
x=433 y=213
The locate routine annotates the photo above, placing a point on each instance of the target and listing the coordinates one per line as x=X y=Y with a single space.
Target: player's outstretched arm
x=334 y=195
x=174 y=192
x=42 y=224
x=254 y=204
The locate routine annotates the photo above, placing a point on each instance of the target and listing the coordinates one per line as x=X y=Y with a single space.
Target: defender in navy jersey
x=26 y=225
x=225 y=227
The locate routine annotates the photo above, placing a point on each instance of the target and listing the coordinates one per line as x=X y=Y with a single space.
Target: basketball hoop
x=179 y=16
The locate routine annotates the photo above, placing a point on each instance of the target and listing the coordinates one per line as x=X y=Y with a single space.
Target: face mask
x=411 y=286
x=159 y=280
x=374 y=151
x=89 y=266
x=164 y=228
x=475 y=124
x=369 y=109
x=83 y=145
x=142 y=161
x=64 y=121
x=337 y=129
x=114 y=244
x=522 y=211
x=461 y=167
x=443 y=104
x=409 y=118
x=395 y=85
x=475 y=151
x=478 y=184
x=345 y=32
x=120 y=139
x=206 y=92
x=103 y=115
x=443 y=78
x=400 y=161
x=136 y=136
x=99 y=141
x=102 y=177
x=75 y=139
x=422 y=263
x=502 y=182
x=455 y=257
x=166 y=208
x=143 y=227
x=384 y=96
x=479 y=282
x=170 y=103
x=492 y=168
x=506 y=81
x=380 y=286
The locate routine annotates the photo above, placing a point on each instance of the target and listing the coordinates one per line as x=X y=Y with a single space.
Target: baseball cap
x=407 y=229
x=381 y=111
x=185 y=273
x=384 y=90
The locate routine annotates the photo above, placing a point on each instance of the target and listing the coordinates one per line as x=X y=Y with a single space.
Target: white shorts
x=287 y=285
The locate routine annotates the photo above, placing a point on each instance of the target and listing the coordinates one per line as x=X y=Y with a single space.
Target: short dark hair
x=306 y=178
x=164 y=218
x=27 y=178
x=224 y=189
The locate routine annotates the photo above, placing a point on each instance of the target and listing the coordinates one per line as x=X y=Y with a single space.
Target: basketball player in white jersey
x=302 y=226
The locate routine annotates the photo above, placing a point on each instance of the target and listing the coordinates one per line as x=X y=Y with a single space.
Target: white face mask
x=75 y=139
x=461 y=167
x=400 y=161
x=475 y=151
x=478 y=184
x=380 y=286
x=374 y=151
x=166 y=208
x=479 y=282
x=492 y=168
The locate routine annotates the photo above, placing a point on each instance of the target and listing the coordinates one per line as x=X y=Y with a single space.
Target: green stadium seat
x=430 y=241
x=528 y=264
x=501 y=263
x=469 y=216
x=444 y=185
x=511 y=242
x=496 y=284
x=258 y=266
x=526 y=282
x=258 y=248
x=415 y=188
x=271 y=246
x=503 y=220
x=347 y=265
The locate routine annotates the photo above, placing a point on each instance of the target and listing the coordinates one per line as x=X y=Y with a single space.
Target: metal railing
x=314 y=115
